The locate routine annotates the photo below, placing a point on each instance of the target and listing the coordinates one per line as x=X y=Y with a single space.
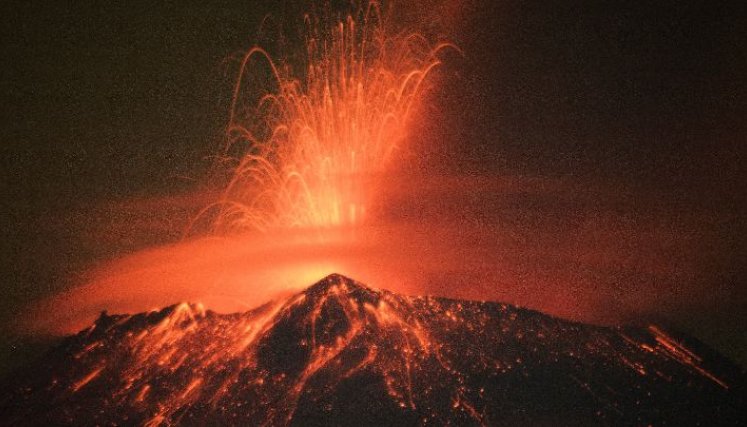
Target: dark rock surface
x=340 y=353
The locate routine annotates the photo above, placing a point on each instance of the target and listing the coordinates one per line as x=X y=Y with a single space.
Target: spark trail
x=312 y=149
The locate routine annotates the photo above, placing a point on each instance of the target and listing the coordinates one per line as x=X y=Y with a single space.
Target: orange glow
x=312 y=149
x=324 y=146
x=432 y=242
x=87 y=379
x=161 y=349
x=261 y=365
x=308 y=163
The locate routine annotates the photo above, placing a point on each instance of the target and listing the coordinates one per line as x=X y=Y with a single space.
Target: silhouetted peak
x=343 y=353
x=340 y=285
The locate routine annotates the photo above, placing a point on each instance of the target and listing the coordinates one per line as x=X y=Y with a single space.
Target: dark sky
x=104 y=102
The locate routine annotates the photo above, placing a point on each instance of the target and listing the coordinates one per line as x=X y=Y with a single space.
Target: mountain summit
x=341 y=353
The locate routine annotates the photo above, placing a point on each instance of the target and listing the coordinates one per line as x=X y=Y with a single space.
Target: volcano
x=341 y=353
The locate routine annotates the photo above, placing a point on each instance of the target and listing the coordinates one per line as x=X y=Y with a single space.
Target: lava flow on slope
x=341 y=353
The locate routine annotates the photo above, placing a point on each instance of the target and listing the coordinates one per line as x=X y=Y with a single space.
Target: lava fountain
x=312 y=149
x=309 y=158
x=314 y=178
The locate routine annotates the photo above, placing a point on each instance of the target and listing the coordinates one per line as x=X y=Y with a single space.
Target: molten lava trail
x=310 y=152
x=340 y=352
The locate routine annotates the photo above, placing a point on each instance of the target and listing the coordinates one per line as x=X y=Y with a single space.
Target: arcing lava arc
x=312 y=151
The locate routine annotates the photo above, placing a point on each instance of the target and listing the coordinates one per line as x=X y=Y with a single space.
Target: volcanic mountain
x=340 y=353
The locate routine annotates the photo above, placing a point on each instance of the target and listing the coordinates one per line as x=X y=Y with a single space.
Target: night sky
x=637 y=109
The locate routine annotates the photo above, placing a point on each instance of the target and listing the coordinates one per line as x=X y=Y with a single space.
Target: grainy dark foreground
x=340 y=353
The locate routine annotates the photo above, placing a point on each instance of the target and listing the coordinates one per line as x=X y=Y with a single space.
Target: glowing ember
x=311 y=150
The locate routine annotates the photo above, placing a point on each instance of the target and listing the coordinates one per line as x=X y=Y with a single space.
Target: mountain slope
x=341 y=353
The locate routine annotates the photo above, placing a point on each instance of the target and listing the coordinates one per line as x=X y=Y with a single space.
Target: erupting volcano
x=315 y=177
x=340 y=353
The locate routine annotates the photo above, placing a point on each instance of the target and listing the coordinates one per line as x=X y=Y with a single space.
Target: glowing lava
x=309 y=156
x=318 y=155
x=311 y=151
x=340 y=353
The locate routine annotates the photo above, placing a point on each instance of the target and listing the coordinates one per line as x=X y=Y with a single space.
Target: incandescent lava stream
x=341 y=353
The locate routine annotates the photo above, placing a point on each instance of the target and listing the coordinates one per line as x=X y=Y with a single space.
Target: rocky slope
x=341 y=353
